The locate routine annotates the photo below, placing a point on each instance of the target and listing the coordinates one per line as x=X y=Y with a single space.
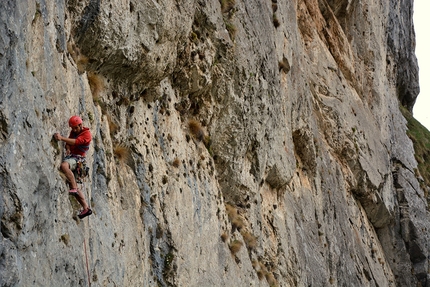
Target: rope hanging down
x=86 y=259
x=85 y=246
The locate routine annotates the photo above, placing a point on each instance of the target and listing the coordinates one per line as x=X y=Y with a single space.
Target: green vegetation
x=227 y=9
x=420 y=137
x=65 y=238
x=176 y=162
x=193 y=37
x=235 y=219
x=262 y=273
x=37 y=14
x=250 y=240
x=113 y=127
x=231 y=29
x=96 y=85
x=227 y=5
x=208 y=144
x=235 y=246
x=122 y=154
x=196 y=129
x=168 y=260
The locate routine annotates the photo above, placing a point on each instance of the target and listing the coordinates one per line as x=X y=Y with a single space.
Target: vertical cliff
x=235 y=143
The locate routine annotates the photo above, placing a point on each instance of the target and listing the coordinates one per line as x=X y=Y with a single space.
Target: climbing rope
x=85 y=244
x=86 y=259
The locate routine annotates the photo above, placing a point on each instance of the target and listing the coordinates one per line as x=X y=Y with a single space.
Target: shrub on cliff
x=420 y=137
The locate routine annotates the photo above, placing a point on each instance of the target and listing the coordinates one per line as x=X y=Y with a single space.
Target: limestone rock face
x=235 y=143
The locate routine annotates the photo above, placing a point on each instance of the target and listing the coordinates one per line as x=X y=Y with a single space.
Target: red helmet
x=75 y=121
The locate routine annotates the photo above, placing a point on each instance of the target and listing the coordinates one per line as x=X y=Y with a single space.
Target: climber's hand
x=57 y=136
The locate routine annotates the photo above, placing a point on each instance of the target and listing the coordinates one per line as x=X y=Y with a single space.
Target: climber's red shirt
x=82 y=143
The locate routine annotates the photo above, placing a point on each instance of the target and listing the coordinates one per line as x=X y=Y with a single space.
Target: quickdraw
x=82 y=170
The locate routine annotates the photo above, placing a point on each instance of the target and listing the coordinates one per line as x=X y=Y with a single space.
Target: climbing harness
x=82 y=170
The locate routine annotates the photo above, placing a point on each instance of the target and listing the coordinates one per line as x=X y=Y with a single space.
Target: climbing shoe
x=73 y=192
x=85 y=213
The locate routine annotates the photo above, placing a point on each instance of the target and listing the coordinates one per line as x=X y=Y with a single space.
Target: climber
x=77 y=144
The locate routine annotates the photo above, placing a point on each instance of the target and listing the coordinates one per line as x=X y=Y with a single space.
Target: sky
x=421 y=109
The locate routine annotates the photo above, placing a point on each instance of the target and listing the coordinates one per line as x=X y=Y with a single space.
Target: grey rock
x=299 y=171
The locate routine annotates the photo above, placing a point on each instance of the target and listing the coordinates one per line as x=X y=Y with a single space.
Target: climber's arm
x=68 y=141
